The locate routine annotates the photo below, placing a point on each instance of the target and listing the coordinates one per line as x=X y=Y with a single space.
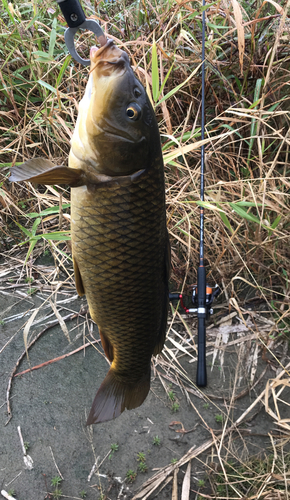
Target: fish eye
x=137 y=92
x=133 y=111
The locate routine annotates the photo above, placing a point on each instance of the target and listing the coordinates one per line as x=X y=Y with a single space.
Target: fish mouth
x=108 y=61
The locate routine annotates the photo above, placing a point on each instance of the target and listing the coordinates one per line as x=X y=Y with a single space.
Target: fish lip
x=108 y=58
x=125 y=138
x=110 y=131
x=99 y=51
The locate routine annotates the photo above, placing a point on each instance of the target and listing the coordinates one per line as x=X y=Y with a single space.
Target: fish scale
x=140 y=233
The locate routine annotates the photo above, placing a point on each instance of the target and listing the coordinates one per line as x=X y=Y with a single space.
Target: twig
x=50 y=361
x=56 y=464
x=93 y=469
x=5 y=495
x=12 y=480
x=54 y=323
x=28 y=462
x=21 y=440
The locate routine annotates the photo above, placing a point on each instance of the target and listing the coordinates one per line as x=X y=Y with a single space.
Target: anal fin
x=78 y=279
x=107 y=346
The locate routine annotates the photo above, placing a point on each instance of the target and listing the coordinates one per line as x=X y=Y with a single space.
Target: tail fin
x=114 y=396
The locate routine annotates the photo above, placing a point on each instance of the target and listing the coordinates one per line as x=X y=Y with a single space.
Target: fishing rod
x=202 y=295
x=201 y=377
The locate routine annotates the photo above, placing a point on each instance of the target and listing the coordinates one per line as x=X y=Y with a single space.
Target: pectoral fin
x=45 y=172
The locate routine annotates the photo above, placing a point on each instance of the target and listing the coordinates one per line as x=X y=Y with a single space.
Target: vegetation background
x=247 y=219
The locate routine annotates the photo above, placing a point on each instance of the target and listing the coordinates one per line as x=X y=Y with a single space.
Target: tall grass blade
x=254 y=121
x=242 y=213
x=155 y=73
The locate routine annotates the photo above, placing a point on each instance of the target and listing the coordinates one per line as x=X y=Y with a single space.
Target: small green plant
x=57 y=493
x=156 y=441
x=83 y=494
x=206 y=406
x=31 y=291
x=173 y=460
x=11 y=492
x=26 y=445
x=131 y=476
x=219 y=418
x=142 y=467
x=28 y=279
x=2 y=322
x=56 y=481
x=201 y=483
x=175 y=407
x=171 y=395
x=114 y=447
x=141 y=457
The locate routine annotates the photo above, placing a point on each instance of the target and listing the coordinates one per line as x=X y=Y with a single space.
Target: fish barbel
x=120 y=245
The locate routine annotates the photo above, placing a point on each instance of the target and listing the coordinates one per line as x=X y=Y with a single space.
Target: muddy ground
x=51 y=404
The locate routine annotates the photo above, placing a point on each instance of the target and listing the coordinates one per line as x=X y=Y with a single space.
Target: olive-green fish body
x=119 y=238
x=119 y=246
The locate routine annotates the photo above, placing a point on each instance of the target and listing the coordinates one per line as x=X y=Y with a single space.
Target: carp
x=120 y=244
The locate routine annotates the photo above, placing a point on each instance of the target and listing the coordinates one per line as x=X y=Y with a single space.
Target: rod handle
x=201 y=377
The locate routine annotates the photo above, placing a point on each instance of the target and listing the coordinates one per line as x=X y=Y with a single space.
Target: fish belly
x=119 y=242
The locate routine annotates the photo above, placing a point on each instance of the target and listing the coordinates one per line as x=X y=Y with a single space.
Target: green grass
x=175 y=407
x=249 y=478
x=156 y=441
x=141 y=457
x=114 y=448
x=131 y=476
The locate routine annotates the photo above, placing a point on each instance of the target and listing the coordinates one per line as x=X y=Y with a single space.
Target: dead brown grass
x=246 y=200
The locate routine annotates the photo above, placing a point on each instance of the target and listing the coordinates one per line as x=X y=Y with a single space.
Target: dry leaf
x=60 y=320
x=254 y=364
x=275 y=387
x=27 y=328
x=167 y=118
x=188 y=148
x=186 y=483
x=175 y=486
x=277 y=6
x=240 y=31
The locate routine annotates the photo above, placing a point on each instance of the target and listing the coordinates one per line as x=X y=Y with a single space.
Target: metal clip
x=89 y=24
x=76 y=19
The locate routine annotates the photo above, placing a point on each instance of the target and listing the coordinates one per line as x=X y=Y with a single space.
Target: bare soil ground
x=177 y=420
